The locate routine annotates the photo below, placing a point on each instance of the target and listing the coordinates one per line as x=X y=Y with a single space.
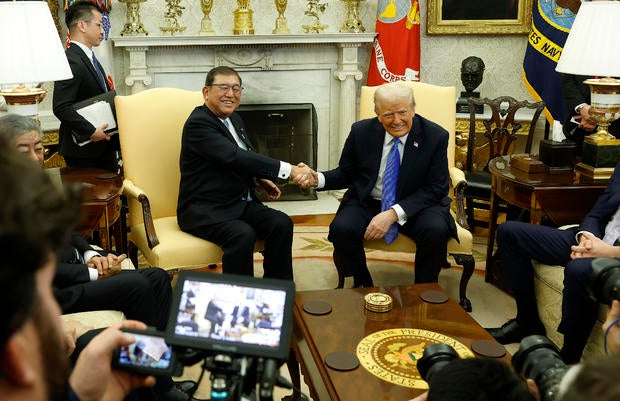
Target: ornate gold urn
x=243 y=18
x=205 y=24
x=133 y=26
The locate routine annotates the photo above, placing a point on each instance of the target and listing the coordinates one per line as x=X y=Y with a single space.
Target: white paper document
x=97 y=114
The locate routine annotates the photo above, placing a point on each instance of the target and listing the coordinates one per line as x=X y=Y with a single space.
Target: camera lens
x=435 y=357
x=539 y=359
x=605 y=279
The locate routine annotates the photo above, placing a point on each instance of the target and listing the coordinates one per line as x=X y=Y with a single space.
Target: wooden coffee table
x=348 y=323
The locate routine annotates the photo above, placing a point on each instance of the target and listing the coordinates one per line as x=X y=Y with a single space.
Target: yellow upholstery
x=438 y=104
x=150 y=128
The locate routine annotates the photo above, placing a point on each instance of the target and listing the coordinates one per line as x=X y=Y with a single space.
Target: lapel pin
x=415 y=144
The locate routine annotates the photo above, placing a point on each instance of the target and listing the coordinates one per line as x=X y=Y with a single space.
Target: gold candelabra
x=173 y=11
x=205 y=24
x=133 y=26
x=313 y=8
x=281 y=23
x=352 y=22
x=243 y=18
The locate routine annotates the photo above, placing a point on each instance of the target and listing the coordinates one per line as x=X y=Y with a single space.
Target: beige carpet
x=314 y=269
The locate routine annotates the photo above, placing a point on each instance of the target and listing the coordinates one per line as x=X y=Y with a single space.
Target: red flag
x=396 y=49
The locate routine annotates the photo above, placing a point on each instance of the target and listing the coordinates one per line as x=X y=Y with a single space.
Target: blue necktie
x=390 y=180
x=99 y=72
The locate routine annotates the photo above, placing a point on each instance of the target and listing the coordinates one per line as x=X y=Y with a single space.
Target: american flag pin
x=415 y=144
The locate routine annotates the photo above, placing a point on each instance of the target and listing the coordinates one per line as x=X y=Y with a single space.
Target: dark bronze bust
x=472 y=69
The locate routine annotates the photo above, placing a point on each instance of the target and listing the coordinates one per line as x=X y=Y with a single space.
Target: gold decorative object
x=205 y=24
x=605 y=95
x=243 y=18
x=313 y=8
x=173 y=11
x=352 y=22
x=281 y=24
x=133 y=26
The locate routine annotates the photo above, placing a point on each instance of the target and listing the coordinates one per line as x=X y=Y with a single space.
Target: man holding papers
x=84 y=141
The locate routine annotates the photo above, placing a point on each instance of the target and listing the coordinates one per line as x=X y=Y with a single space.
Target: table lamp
x=593 y=49
x=32 y=53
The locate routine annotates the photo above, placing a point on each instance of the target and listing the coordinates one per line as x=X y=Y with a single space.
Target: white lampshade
x=593 y=44
x=30 y=48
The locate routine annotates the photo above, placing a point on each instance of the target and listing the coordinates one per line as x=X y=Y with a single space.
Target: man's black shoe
x=512 y=332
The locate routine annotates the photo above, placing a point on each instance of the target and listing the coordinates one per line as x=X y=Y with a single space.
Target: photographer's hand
x=613 y=337
x=93 y=378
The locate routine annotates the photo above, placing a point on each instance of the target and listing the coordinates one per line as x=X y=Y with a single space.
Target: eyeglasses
x=401 y=113
x=225 y=88
x=99 y=24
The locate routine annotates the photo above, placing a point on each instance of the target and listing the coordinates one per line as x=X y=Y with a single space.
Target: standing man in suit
x=419 y=206
x=84 y=22
x=219 y=171
x=518 y=243
x=579 y=122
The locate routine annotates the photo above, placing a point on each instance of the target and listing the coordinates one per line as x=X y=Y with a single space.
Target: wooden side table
x=101 y=205
x=564 y=198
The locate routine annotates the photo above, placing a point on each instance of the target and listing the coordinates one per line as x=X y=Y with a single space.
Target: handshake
x=304 y=176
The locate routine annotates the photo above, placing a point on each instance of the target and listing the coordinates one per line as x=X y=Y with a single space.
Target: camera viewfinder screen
x=147 y=352
x=228 y=313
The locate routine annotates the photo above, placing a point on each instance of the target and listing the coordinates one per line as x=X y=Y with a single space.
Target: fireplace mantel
x=322 y=69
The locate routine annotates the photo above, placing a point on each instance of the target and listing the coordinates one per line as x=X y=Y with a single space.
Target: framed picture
x=478 y=17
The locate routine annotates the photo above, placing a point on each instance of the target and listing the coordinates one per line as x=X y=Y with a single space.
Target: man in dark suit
x=518 y=243
x=578 y=122
x=84 y=22
x=219 y=171
x=421 y=206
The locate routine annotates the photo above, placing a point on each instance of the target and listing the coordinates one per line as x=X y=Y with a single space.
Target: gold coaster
x=378 y=302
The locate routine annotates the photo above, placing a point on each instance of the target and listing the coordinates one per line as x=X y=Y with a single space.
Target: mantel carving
x=248 y=58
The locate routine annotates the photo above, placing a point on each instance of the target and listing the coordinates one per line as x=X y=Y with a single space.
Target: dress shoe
x=512 y=332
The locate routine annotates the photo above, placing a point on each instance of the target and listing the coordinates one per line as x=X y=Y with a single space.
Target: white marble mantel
x=322 y=69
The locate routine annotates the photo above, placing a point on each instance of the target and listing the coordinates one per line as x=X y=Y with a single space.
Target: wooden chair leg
x=469 y=264
x=338 y=263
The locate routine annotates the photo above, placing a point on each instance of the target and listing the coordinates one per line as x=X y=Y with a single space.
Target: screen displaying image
x=230 y=313
x=147 y=352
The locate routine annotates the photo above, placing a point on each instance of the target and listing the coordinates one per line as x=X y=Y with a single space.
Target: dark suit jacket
x=604 y=208
x=575 y=93
x=84 y=85
x=70 y=272
x=423 y=179
x=215 y=172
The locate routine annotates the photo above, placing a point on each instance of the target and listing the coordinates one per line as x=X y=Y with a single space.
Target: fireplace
x=285 y=132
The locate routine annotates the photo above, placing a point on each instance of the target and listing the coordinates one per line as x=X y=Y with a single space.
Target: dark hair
x=12 y=126
x=596 y=380
x=80 y=11
x=221 y=70
x=477 y=379
x=35 y=219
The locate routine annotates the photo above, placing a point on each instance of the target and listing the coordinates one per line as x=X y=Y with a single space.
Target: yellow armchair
x=438 y=104
x=150 y=127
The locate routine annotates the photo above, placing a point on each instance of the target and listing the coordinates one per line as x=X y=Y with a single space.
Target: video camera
x=605 y=280
x=239 y=326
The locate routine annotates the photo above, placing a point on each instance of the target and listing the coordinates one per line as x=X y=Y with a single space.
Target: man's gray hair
x=393 y=90
x=13 y=126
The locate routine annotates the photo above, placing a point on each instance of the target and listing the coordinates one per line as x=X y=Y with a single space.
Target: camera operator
x=596 y=379
x=612 y=327
x=35 y=218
